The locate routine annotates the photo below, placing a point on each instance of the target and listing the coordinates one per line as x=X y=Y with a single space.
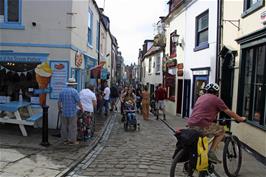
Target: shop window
x=15 y=79
x=202 y=30
x=251 y=6
x=10 y=14
x=172 y=46
x=158 y=63
x=90 y=30
x=253 y=84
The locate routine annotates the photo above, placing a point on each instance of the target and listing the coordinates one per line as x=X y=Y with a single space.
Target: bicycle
x=231 y=152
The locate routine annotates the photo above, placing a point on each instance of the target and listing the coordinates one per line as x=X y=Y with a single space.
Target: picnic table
x=13 y=107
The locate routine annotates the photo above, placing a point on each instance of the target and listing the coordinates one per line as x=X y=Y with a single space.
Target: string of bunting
x=19 y=73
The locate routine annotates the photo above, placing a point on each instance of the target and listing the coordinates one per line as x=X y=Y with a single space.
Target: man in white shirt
x=88 y=98
x=106 y=98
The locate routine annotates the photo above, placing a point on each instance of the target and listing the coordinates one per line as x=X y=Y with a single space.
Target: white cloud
x=132 y=22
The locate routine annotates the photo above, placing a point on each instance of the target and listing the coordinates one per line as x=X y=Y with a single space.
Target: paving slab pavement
x=25 y=157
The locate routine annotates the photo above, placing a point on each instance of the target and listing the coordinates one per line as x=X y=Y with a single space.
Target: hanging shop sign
x=89 y=62
x=59 y=79
x=171 y=63
x=78 y=59
x=23 y=57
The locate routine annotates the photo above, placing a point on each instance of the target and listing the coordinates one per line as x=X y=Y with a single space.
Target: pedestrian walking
x=113 y=96
x=106 y=98
x=85 y=119
x=145 y=103
x=138 y=99
x=160 y=96
x=68 y=101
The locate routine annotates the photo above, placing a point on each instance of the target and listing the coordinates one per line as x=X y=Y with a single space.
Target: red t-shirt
x=205 y=110
x=160 y=94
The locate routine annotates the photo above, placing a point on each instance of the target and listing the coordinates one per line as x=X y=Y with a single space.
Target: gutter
x=218 y=41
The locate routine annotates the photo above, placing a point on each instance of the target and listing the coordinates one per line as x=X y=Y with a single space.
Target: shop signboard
x=171 y=63
x=23 y=57
x=78 y=59
x=59 y=77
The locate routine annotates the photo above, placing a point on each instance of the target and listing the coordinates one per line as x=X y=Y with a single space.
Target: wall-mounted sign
x=59 y=78
x=23 y=57
x=171 y=63
x=263 y=18
x=200 y=72
x=78 y=59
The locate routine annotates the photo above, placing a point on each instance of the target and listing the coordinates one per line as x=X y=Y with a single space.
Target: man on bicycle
x=204 y=114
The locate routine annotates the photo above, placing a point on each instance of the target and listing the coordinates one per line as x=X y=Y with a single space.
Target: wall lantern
x=175 y=38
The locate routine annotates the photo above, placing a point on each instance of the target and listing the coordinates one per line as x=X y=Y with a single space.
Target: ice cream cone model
x=43 y=75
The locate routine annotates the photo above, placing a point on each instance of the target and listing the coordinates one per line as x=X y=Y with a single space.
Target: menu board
x=59 y=77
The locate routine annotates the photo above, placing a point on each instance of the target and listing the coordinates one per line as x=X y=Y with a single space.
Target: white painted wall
x=151 y=77
x=205 y=57
x=176 y=22
x=79 y=35
x=51 y=22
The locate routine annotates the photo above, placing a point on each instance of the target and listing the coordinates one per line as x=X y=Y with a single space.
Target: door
x=179 y=96
x=199 y=83
x=186 y=99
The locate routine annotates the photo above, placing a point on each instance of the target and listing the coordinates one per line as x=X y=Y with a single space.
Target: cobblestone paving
x=143 y=153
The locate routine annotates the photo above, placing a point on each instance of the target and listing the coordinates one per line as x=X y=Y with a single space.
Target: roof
x=153 y=50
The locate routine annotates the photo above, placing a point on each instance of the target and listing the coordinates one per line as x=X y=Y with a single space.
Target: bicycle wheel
x=232 y=156
x=178 y=168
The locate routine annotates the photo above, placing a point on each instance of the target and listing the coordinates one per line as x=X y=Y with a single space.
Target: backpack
x=202 y=154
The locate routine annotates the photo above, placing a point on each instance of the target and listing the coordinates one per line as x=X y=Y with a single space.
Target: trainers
x=213 y=158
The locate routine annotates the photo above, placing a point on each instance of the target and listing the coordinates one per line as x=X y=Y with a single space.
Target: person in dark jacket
x=113 y=96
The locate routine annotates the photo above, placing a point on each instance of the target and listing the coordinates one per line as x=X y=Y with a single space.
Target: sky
x=132 y=22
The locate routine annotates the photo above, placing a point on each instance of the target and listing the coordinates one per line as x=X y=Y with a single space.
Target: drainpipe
x=218 y=41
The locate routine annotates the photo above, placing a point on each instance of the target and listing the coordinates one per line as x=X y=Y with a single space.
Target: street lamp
x=175 y=38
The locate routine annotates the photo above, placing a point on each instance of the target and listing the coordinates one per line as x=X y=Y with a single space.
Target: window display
x=17 y=78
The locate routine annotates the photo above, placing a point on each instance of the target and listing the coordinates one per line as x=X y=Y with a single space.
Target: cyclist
x=204 y=114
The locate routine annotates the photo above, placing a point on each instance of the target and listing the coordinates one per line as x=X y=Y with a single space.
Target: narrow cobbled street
x=146 y=152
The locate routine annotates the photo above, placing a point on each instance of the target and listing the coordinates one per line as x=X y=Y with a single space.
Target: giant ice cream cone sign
x=43 y=74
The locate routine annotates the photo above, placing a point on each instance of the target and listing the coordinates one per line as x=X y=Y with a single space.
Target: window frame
x=172 y=46
x=241 y=94
x=150 y=63
x=205 y=44
x=253 y=8
x=9 y=24
x=158 y=63
x=90 y=26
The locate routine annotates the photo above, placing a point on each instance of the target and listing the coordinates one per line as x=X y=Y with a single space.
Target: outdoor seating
x=13 y=107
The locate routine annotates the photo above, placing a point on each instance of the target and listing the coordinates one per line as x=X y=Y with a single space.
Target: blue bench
x=35 y=117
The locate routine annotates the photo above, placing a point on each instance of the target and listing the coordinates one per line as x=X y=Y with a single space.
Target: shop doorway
x=186 y=99
x=227 y=79
x=179 y=96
